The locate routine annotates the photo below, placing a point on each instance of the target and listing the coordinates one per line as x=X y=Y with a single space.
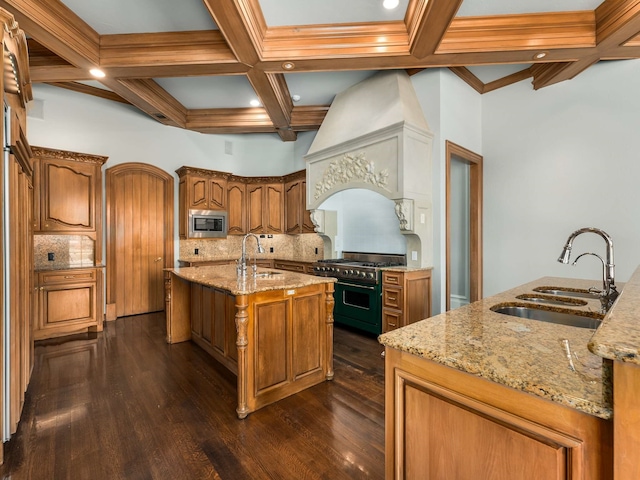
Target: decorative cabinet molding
x=68 y=188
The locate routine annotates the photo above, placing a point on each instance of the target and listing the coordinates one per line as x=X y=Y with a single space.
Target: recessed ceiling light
x=390 y=4
x=96 y=72
x=295 y=98
x=540 y=55
x=288 y=65
x=254 y=103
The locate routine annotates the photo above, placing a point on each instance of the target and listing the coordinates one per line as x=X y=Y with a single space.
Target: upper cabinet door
x=68 y=195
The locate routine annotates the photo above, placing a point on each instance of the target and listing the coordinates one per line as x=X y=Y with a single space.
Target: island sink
x=567 y=292
x=551 y=316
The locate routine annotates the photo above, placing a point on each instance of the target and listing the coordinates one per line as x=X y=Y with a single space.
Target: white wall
x=555 y=160
x=453 y=111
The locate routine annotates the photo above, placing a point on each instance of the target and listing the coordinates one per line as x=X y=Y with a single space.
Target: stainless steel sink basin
x=561 y=318
x=567 y=292
x=268 y=274
x=551 y=299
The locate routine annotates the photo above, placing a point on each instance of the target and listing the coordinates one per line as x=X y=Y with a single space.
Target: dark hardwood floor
x=124 y=404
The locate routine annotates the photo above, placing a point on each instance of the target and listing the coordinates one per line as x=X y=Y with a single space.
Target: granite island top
x=528 y=355
x=225 y=278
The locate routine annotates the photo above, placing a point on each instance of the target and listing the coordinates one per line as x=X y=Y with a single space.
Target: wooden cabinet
x=68 y=189
x=206 y=193
x=213 y=323
x=270 y=205
x=265 y=207
x=484 y=430
x=200 y=190
x=69 y=301
x=297 y=217
x=406 y=297
x=293 y=266
x=237 y=210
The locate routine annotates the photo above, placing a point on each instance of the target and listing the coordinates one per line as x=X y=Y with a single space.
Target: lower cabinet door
x=66 y=309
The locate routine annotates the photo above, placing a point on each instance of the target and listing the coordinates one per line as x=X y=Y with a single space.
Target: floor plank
x=122 y=404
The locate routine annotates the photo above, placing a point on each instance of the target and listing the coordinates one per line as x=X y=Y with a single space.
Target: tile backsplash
x=69 y=251
x=302 y=248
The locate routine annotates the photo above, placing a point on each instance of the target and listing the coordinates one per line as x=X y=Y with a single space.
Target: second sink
x=551 y=316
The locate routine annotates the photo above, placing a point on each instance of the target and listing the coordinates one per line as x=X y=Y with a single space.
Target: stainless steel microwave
x=207 y=224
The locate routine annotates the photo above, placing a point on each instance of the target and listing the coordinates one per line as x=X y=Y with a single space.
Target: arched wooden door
x=139 y=217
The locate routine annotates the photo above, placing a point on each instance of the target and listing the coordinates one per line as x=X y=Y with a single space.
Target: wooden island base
x=277 y=342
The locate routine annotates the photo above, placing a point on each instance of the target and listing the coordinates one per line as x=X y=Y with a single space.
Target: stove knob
x=371 y=275
x=362 y=274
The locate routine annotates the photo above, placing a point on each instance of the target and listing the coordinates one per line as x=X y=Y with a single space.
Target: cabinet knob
x=46 y=224
x=41 y=288
x=158 y=259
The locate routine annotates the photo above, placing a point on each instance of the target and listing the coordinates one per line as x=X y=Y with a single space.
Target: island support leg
x=242 y=321
x=329 y=303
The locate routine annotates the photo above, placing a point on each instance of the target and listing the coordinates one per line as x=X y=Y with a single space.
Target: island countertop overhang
x=527 y=355
x=225 y=278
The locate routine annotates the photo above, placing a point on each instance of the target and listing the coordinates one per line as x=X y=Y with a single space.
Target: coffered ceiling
x=196 y=64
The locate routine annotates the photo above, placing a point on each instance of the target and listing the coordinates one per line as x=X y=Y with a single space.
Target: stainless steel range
x=358 y=291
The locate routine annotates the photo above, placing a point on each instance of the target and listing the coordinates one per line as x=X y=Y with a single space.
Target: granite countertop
x=225 y=277
x=618 y=338
x=405 y=269
x=527 y=355
x=54 y=267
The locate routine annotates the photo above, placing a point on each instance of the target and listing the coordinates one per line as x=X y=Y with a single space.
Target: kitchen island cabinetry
x=406 y=296
x=501 y=396
x=68 y=301
x=275 y=332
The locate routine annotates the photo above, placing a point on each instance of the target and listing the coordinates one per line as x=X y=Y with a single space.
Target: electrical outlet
x=270 y=249
x=51 y=256
x=316 y=250
x=414 y=255
x=195 y=251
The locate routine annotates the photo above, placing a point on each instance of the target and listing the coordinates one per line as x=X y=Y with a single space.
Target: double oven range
x=358 y=291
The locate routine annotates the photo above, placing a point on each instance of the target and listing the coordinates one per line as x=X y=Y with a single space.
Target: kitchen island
x=274 y=331
x=473 y=393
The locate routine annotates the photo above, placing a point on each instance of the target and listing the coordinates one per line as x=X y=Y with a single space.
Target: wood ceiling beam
x=89 y=90
x=617 y=21
x=242 y=25
x=537 y=31
x=151 y=98
x=377 y=40
x=469 y=78
x=54 y=25
x=61 y=73
x=276 y=99
x=427 y=21
x=170 y=48
x=229 y=120
x=308 y=117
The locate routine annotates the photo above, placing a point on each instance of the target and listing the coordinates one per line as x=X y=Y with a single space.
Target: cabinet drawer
x=67 y=276
x=392 y=297
x=391 y=320
x=291 y=267
x=392 y=278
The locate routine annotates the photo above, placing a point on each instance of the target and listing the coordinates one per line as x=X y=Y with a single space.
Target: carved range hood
x=375 y=136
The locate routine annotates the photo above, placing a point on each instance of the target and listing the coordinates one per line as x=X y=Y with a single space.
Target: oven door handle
x=356 y=286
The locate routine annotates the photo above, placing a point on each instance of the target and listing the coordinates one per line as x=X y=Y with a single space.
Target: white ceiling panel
x=142 y=16
x=471 y=8
x=308 y=12
x=320 y=88
x=210 y=92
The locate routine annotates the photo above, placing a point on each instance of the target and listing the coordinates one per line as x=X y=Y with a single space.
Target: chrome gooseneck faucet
x=609 y=292
x=242 y=262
